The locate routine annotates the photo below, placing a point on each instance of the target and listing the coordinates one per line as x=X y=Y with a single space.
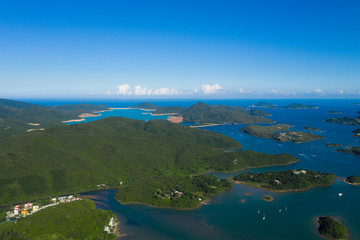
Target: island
x=289 y=180
x=332 y=229
x=204 y=114
x=356 y=132
x=334 y=112
x=332 y=145
x=157 y=162
x=280 y=133
x=311 y=128
x=264 y=105
x=350 y=149
x=345 y=120
x=74 y=220
x=290 y=106
x=299 y=106
x=353 y=180
x=268 y=198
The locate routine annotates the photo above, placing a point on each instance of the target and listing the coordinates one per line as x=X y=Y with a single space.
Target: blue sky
x=128 y=49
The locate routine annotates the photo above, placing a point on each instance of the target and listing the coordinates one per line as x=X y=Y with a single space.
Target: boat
x=340 y=194
x=285 y=207
x=258 y=211
x=264 y=216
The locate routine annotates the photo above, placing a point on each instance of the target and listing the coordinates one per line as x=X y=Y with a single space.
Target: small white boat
x=264 y=216
x=258 y=211
x=286 y=208
x=280 y=210
x=340 y=194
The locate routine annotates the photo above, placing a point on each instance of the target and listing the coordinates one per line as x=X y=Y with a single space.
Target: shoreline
x=205 y=125
x=275 y=190
x=74 y=120
x=353 y=184
x=164 y=207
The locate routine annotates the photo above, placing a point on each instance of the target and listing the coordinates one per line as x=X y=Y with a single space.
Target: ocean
x=234 y=214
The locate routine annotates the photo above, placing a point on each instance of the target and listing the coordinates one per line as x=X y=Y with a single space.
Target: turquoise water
x=234 y=214
x=128 y=113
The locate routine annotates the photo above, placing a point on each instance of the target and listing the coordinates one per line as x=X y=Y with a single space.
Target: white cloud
x=274 y=91
x=318 y=90
x=241 y=90
x=123 y=89
x=196 y=90
x=138 y=90
x=208 y=89
x=340 y=91
x=162 y=91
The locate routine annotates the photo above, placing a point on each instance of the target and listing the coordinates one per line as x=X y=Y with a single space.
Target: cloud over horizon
x=208 y=89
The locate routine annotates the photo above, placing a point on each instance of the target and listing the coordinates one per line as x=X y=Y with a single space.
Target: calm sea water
x=234 y=214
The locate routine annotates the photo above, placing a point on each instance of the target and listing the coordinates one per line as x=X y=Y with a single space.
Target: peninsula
x=19 y=117
x=156 y=162
x=280 y=133
x=289 y=180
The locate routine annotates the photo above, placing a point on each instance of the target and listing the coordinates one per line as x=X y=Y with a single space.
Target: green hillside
x=171 y=110
x=16 y=115
x=146 y=105
x=139 y=157
x=331 y=228
x=288 y=180
x=16 y=104
x=76 y=220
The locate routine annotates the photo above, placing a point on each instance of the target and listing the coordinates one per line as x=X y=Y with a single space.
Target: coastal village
x=24 y=210
x=29 y=208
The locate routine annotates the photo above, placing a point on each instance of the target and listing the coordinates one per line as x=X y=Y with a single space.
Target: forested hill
x=141 y=157
x=17 y=116
x=202 y=113
x=146 y=105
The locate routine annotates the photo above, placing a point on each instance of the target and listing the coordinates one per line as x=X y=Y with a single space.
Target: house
x=53 y=200
x=27 y=206
x=35 y=208
x=24 y=212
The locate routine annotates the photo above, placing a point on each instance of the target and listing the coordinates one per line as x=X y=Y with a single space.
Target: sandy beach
x=84 y=115
x=74 y=120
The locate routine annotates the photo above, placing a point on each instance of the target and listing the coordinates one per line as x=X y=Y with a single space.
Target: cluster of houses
x=299 y=172
x=111 y=228
x=29 y=208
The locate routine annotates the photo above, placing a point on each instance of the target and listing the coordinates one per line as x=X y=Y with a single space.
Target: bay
x=234 y=214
